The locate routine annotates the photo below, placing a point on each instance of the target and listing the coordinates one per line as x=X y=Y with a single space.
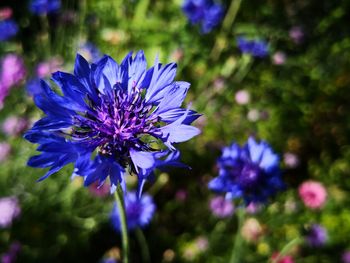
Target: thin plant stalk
x=119 y=198
x=143 y=245
x=238 y=242
x=226 y=25
x=287 y=248
x=45 y=36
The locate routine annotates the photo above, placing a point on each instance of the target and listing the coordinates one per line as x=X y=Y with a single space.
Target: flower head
x=99 y=191
x=291 y=160
x=5 y=13
x=283 y=259
x=279 y=58
x=45 y=68
x=139 y=211
x=221 y=207
x=242 y=97
x=33 y=86
x=11 y=255
x=9 y=210
x=42 y=7
x=346 y=257
x=8 y=29
x=12 y=73
x=125 y=116
x=250 y=172
x=251 y=230
x=296 y=33
x=316 y=236
x=14 y=125
x=256 y=48
x=203 y=12
x=313 y=194
x=13 y=70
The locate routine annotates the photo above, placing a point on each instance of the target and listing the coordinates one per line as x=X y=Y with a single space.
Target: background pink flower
x=284 y=259
x=9 y=210
x=313 y=194
x=220 y=207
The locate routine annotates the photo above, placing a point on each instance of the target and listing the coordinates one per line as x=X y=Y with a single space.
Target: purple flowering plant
x=42 y=7
x=250 y=172
x=316 y=235
x=204 y=12
x=256 y=48
x=112 y=118
x=8 y=29
x=139 y=211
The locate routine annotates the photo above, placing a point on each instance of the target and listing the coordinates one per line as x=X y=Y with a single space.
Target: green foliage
x=302 y=107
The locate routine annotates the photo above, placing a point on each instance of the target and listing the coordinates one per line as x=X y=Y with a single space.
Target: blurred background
x=277 y=70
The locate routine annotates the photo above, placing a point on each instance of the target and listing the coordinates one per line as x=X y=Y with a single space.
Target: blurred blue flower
x=203 y=12
x=108 y=260
x=33 y=86
x=42 y=7
x=122 y=115
x=256 y=48
x=8 y=29
x=317 y=236
x=139 y=211
x=250 y=172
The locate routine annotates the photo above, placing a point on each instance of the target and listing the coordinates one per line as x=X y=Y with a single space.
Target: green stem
x=119 y=198
x=228 y=22
x=143 y=244
x=287 y=248
x=45 y=36
x=244 y=67
x=140 y=13
x=235 y=255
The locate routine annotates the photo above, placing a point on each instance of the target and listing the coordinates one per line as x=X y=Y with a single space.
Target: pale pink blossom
x=46 y=68
x=279 y=58
x=251 y=230
x=12 y=70
x=202 y=243
x=296 y=33
x=101 y=191
x=9 y=210
x=220 y=207
x=253 y=208
x=313 y=194
x=290 y=160
x=14 y=125
x=242 y=97
x=5 y=13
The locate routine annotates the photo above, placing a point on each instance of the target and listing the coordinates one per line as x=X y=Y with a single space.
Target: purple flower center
x=249 y=175
x=117 y=123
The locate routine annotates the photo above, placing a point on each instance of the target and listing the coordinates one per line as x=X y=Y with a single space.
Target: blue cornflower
x=8 y=29
x=256 y=48
x=203 y=12
x=43 y=7
x=139 y=211
x=250 y=172
x=111 y=118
